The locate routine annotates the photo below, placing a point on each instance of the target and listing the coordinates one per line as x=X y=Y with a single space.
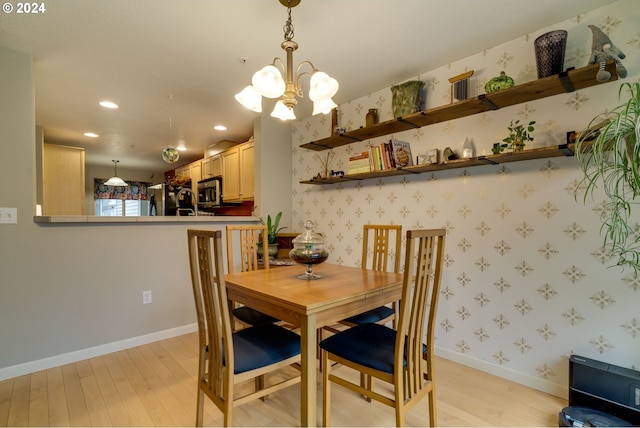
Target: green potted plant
x=610 y=160
x=519 y=134
x=273 y=228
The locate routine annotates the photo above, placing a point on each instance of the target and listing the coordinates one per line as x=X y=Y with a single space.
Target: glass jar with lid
x=308 y=250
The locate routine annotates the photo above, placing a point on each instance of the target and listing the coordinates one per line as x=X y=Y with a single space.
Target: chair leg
x=433 y=420
x=199 y=407
x=318 y=352
x=326 y=389
x=260 y=384
x=228 y=413
x=400 y=409
x=366 y=382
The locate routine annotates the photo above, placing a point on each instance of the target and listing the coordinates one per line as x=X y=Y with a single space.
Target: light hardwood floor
x=155 y=385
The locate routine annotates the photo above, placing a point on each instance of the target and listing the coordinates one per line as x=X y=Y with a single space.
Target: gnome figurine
x=602 y=49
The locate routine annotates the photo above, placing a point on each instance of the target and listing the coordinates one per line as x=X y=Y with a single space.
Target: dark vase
x=550 y=48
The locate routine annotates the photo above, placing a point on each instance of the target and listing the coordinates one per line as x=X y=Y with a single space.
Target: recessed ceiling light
x=91 y=134
x=220 y=128
x=108 y=104
x=181 y=148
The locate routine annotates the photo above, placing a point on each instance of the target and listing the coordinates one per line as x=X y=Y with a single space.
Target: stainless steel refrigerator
x=170 y=200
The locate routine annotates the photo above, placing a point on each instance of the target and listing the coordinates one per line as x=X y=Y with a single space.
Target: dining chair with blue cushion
x=382 y=237
x=248 y=238
x=227 y=358
x=396 y=356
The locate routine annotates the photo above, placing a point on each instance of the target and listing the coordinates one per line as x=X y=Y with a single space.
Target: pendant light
x=171 y=154
x=115 y=180
x=280 y=80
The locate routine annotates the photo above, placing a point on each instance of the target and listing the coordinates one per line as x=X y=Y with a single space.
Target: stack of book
x=389 y=155
x=359 y=163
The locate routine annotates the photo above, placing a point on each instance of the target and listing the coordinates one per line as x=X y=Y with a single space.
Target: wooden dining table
x=341 y=292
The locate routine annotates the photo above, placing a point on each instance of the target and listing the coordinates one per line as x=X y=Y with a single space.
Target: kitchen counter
x=92 y=219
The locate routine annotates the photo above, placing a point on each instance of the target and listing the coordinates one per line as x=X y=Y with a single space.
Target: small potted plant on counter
x=273 y=228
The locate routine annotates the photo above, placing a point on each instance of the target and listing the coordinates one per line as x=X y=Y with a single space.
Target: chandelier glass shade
x=115 y=180
x=269 y=81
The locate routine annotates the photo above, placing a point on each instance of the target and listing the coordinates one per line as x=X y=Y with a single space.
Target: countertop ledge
x=91 y=219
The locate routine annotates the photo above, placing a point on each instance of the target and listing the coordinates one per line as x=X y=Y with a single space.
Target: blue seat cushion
x=263 y=344
x=252 y=317
x=371 y=345
x=374 y=315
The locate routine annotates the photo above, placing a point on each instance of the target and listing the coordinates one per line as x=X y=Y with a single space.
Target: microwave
x=210 y=192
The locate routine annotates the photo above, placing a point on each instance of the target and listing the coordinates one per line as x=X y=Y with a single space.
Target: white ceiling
x=174 y=66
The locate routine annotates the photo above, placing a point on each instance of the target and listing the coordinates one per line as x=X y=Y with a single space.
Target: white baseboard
x=543 y=385
x=83 y=354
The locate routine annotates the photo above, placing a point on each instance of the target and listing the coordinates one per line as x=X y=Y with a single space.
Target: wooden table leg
x=308 y=394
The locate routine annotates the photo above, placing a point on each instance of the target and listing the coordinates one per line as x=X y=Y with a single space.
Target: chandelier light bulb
x=283 y=112
x=324 y=106
x=250 y=98
x=322 y=86
x=269 y=82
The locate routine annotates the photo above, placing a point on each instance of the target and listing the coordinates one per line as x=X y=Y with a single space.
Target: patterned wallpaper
x=526 y=282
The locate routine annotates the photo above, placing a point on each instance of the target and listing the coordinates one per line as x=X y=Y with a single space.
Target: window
x=126 y=201
x=121 y=207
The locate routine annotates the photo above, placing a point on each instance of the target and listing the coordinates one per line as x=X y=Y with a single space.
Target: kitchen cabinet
x=212 y=166
x=191 y=171
x=238 y=172
x=195 y=173
x=247 y=175
x=183 y=172
x=63 y=177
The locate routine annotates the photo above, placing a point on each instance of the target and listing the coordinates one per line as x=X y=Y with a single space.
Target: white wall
x=524 y=285
x=272 y=166
x=73 y=291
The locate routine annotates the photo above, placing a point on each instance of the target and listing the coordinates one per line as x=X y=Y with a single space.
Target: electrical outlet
x=9 y=215
x=146 y=297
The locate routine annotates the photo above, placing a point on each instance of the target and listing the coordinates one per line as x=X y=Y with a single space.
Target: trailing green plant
x=273 y=227
x=610 y=160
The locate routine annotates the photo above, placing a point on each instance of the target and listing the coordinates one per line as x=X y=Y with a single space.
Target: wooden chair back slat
x=248 y=237
x=381 y=246
x=416 y=322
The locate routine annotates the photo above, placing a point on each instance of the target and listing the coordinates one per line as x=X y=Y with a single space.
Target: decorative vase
x=372 y=117
x=405 y=98
x=497 y=83
x=272 y=250
x=518 y=145
x=550 y=49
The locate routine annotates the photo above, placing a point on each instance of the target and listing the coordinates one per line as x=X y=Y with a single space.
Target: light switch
x=8 y=215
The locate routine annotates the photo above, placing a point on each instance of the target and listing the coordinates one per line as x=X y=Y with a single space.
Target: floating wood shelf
x=564 y=82
x=523 y=155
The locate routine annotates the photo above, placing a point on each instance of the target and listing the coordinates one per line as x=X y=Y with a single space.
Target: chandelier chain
x=288 y=26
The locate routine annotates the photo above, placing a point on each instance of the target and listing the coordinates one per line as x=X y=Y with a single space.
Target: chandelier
x=268 y=82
